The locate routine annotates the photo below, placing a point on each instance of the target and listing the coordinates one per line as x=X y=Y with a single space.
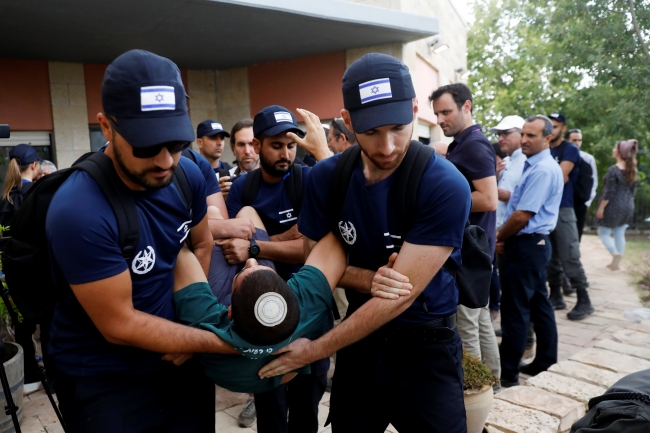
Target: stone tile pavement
x=593 y=354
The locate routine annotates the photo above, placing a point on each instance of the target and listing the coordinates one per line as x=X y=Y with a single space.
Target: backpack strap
x=404 y=193
x=187 y=153
x=294 y=188
x=251 y=187
x=100 y=168
x=339 y=184
x=183 y=186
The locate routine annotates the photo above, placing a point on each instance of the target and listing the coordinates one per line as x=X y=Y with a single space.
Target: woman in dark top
x=617 y=205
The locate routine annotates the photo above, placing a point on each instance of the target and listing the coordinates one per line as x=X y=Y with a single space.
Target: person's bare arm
x=419 y=263
x=109 y=305
x=600 y=213
x=503 y=194
x=566 y=167
x=217 y=201
x=202 y=243
x=329 y=257
x=515 y=223
x=235 y=251
x=484 y=198
x=314 y=142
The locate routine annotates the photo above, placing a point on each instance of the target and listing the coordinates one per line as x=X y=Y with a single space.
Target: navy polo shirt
x=443 y=204
x=567 y=151
x=82 y=236
x=473 y=155
x=211 y=182
x=274 y=208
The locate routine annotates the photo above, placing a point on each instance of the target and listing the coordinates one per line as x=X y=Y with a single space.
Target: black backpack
x=624 y=408
x=26 y=259
x=584 y=183
x=294 y=190
x=473 y=277
x=8 y=209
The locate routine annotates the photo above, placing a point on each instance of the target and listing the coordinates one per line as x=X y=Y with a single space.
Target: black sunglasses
x=151 y=151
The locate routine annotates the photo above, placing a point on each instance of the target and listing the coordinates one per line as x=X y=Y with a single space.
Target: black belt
x=441 y=329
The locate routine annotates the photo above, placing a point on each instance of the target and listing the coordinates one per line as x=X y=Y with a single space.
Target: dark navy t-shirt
x=569 y=152
x=274 y=208
x=472 y=153
x=211 y=181
x=443 y=205
x=82 y=235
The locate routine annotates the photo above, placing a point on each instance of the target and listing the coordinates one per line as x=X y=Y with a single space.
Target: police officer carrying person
x=210 y=137
x=114 y=317
x=276 y=138
x=532 y=213
x=399 y=357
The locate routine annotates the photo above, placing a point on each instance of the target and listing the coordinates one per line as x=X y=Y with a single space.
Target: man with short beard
x=398 y=353
x=276 y=137
x=473 y=155
x=241 y=143
x=114 y=317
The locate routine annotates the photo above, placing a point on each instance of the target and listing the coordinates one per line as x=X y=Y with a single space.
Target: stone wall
x=69 y=113
x=233 y=101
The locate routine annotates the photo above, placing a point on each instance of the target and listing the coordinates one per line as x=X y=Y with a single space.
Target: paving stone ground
x=590 y=354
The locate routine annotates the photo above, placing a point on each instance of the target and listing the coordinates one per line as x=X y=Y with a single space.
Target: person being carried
x=266 y=314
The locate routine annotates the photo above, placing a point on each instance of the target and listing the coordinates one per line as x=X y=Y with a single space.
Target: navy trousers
x=524 y=300
x=299 y=397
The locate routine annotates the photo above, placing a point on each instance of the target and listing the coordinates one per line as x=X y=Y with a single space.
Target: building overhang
x=199 y=34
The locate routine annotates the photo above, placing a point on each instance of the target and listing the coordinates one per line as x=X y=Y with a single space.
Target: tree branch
x=638 y=30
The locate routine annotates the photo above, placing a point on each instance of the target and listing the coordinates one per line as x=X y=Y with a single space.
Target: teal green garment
x=196 y=306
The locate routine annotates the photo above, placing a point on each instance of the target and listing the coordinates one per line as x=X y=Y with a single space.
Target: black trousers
x=299 y=397
x=174 y=400
x=581 y=213
x=524 y=300
x=415 y=385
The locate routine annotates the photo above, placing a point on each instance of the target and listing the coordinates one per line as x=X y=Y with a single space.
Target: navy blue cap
x=558 y=116
x=24 y=154
x=274 y=120
x=210 y=128
x=378 y=91
x=145 y=93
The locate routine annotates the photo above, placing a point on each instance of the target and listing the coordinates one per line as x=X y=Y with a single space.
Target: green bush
x=477 y=374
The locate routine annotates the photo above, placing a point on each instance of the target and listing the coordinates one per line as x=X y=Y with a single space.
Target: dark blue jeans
x=524 y=300
x=495 y=287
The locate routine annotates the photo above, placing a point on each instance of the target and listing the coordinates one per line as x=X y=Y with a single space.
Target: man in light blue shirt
x=532 y=214
x=509 y=135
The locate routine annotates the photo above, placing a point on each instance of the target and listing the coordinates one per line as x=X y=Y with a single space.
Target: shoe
x=29 y=388
x=616 y=260
x=498 y=332
x=505 y=383
x=557 y=301
x=582 y=309
x=529 y=369
x=248 y=415
x=567 y=290
x=528 y=353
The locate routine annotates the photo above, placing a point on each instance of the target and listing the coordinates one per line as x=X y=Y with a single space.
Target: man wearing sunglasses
x=114 y=317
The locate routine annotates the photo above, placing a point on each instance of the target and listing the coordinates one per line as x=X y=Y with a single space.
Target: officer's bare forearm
x=515 y=223
x=282 y=251
x=357 y=279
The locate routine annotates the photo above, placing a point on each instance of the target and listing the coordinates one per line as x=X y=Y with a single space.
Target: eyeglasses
x=151 y=151
x=506 y=133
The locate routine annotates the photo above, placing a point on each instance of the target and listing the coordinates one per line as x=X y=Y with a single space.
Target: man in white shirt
x=575 y=137
x=509 y=133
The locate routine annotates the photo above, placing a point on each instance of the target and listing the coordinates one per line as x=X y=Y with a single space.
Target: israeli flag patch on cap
x=153 y=98
x=283 y=116
x=375 y=89
x=216 y=126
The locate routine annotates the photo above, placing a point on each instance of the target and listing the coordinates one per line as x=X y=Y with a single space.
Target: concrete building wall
x=202 y=89
x=233 y=101
x=69 y=112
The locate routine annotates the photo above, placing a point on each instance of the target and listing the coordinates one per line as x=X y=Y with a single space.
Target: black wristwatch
x=253 y=250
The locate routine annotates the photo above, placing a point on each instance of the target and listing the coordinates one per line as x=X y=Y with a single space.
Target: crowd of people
x=242 y=286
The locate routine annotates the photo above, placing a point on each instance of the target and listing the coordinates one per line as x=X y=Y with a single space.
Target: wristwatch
x=253 y=250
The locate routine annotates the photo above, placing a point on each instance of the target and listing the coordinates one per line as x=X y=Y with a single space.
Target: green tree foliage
x=585 y=58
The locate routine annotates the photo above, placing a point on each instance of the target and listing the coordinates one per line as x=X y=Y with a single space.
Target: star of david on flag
x=153 y=98
x=375 y=89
